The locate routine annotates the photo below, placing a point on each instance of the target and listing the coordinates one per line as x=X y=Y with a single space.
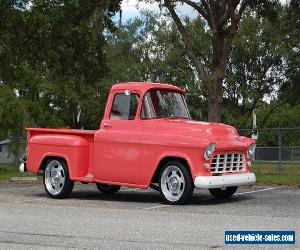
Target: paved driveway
x=138 y=219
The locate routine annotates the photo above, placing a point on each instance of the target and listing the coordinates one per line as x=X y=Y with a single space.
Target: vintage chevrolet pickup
x=146 y=139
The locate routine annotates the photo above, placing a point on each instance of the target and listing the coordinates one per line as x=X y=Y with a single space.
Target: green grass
x=271 y=174
x=11 y=170
x=266 y=173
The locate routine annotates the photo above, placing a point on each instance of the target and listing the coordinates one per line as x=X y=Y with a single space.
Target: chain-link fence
x=276 y=145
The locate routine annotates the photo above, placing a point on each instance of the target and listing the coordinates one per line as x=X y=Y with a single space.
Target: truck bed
x=74 y=145
x=35 y=131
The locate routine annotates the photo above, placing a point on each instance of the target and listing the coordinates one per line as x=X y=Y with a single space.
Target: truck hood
x=195 y=128
x=226 y=137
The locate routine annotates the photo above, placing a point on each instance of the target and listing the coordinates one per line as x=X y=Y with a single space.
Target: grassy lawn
x=266 y=173
x=11 y=170
x=270 y=174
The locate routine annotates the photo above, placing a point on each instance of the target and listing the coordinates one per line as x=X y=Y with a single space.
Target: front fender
x=192 y=157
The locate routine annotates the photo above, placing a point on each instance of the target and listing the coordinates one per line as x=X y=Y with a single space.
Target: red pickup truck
x=146 y=139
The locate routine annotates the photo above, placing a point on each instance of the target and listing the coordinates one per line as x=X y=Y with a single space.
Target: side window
x=124 y=107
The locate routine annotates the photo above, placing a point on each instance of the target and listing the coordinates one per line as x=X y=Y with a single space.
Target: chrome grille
x=227 y=163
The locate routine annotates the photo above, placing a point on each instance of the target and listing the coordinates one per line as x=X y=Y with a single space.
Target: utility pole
x=255 y=132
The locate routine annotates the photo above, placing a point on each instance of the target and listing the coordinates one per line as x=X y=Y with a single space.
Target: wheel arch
x=166 y=159
x=47 y=157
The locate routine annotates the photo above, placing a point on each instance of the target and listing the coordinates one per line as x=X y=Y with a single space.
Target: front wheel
x=175 y=183
x=107 y=189
x=56 y=179
x=223 y=193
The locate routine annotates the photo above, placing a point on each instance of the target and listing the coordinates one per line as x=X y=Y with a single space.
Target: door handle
x=106 y=125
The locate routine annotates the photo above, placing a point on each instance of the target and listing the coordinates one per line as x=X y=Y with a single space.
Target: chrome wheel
x=172 y=183
x=55 y=177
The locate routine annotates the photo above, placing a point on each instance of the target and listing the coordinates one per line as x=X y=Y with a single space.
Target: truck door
x=117 y=143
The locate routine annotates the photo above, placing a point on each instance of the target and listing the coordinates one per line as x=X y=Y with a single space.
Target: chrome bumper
x=224 y=180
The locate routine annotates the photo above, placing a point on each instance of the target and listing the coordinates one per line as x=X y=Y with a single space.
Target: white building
x=5 y=157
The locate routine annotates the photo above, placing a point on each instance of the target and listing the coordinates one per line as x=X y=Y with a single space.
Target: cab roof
x=144 y=86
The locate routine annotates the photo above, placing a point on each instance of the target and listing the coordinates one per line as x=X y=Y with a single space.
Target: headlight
x=251 y=151
x=209 y=151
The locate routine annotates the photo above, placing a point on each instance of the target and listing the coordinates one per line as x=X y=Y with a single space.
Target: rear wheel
x=108 y=189
x=223 y=193
x=56 y=179
x=175 y=183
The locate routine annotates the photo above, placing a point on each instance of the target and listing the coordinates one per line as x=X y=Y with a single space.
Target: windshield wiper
x=177 y=117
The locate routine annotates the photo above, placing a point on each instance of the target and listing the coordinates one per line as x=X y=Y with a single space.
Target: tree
x=222 y=19
x=149 y=49
x=256 y=68
x=12 y=120
x=290 y=91
x=52 y=58
x=74 y=55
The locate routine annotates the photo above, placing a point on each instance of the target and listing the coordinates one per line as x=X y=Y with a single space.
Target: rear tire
x=57 y=182
x=221 y=194
x=175 y=183
x=107 y=189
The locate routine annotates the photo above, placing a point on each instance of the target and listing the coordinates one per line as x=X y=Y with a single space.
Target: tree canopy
x=59 y=58
x=53 y=60
x=222 y=19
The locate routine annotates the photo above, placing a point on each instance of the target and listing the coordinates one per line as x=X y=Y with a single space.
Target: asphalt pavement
x=139 y=219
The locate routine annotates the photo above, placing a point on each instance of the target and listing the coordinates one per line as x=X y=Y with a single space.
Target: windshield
x=164 y=104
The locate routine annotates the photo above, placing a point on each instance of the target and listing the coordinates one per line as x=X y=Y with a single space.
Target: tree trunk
x=214 y=110
x=214 y=86
x=214 y=100
x=222 y=19
x=98 y=18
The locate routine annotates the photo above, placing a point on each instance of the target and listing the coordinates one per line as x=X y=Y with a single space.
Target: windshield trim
x=182 y=94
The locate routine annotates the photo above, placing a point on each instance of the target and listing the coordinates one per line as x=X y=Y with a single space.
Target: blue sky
x=131 y=8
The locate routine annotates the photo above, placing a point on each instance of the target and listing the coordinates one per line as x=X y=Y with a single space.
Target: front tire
x=107 y=189
x=175 y=183
x=223 y=193
x=56 y=179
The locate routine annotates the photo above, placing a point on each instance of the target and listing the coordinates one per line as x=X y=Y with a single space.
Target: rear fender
x=51 y=155
x=72 y=148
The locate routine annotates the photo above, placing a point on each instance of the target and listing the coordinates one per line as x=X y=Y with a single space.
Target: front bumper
x=224 y=180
